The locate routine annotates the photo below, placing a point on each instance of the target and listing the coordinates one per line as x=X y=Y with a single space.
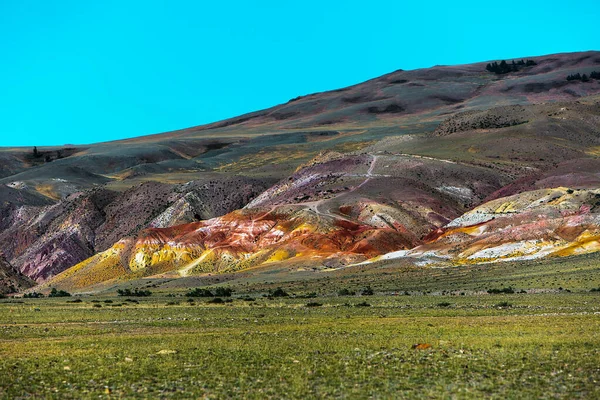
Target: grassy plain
x=540 y=344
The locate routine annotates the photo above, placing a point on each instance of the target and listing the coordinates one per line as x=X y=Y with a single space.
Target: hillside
x=326 y=180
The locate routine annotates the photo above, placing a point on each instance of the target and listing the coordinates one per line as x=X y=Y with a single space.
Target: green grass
x=539 y=344
x=544 y=345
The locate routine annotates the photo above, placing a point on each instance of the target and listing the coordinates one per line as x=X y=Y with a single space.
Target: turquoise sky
x=88 y=71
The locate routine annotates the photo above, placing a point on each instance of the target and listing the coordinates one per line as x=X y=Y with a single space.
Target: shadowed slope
x=11 y=280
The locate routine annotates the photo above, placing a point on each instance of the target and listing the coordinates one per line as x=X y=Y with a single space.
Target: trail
x=314 y=205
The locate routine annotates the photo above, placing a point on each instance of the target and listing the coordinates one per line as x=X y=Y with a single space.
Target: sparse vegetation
x=367 y=291
x=506 y=290
x=313 y=304
x=309 y=351
x=279 y=292
x=134 y=293
x=223 y=292
x=583 y=77
x=504 y=67
x=200 y=292
x=59 y=293
x=33 y=295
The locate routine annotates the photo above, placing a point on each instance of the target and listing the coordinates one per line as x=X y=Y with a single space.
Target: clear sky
x=87 y=71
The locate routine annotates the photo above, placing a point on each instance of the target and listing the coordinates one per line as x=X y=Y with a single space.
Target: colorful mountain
x=409 y=164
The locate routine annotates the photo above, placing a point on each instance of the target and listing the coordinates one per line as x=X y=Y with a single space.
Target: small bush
x=223 y=292
x=135 y=293
x=311 y=295
x=108 y=301
x=313 y=304
x=216 y=300
x=345 y=292
x=279 y=292
x=506 y=290
x=595 y=289
x=59 y=293
x=504 y=304
x=248 y=298
x=367 y=291
x=198 y=292
x=444 y=304
x=33 y=295
x=97 y=305
x=75 y=301
x=363 y=304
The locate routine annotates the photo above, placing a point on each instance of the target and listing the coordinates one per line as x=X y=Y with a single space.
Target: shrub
x=135 y=293
x=216 y=300
x=506 y=290
x=503 y=67
x=223 y=292
x=444 y=304
x=345 y=292
x=363 y=304
x=313 y=304
x=59 y=293
x=504 y=304
x=311 y=295
x=75 y=301
x=595 y=289
x=33 y=295
x=367 y=291
x=198 y=292
x=279 y=292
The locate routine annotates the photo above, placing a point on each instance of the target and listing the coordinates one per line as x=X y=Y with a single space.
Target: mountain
x=325 y=180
